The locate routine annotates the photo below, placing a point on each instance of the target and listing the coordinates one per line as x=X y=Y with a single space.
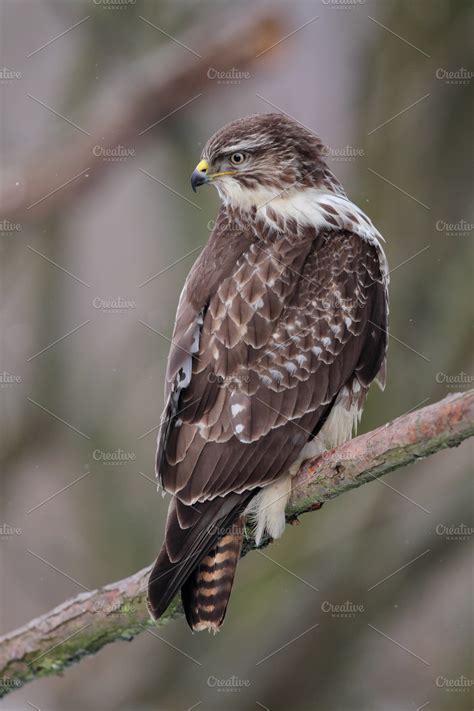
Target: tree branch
x=153 y=89
x=86 y=623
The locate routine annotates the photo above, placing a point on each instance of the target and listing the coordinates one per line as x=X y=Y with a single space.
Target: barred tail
x=206 y=592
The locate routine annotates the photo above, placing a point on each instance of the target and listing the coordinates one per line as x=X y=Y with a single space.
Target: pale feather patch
x=307 y=208
x=267 y=509
x=205 y=625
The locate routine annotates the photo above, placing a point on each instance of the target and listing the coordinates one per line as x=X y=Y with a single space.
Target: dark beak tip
x=197 y=179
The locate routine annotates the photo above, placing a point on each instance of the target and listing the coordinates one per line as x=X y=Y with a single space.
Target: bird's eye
x=237 y=158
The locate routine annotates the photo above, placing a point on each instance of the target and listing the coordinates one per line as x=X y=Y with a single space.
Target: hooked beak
x=199 y=175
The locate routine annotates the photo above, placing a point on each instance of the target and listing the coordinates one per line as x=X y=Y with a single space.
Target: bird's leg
x=314 y=449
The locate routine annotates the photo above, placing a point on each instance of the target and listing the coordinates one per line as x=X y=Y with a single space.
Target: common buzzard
x=280 y=329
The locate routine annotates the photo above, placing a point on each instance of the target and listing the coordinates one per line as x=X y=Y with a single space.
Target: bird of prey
x=281 y=327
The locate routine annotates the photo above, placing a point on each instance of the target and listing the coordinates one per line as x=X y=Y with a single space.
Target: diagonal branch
x=86 y=623
x=154 y=89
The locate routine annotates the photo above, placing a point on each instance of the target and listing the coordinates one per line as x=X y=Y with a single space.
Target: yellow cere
x=202 y=166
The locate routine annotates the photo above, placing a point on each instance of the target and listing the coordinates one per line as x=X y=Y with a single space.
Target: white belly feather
x=267 y=508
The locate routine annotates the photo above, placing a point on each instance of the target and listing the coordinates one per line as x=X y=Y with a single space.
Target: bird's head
x=254 y=159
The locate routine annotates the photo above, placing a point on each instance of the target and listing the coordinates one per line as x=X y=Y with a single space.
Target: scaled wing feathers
x=266 y=336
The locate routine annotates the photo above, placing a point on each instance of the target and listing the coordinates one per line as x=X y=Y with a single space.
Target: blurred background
x=106 y=105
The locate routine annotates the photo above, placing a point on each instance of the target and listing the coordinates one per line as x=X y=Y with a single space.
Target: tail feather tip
x=203 y=625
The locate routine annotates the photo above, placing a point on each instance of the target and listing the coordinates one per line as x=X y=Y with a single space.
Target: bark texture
x=86 y=623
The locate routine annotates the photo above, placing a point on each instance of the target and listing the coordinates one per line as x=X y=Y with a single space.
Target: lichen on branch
x=86 y=623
